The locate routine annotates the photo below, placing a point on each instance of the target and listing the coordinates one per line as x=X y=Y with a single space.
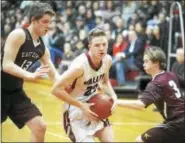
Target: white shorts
x=78 y=128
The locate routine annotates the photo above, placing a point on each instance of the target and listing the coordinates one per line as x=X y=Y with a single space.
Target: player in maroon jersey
x=164 y=92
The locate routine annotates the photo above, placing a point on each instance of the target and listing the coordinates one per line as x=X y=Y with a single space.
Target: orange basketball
x=103 y=105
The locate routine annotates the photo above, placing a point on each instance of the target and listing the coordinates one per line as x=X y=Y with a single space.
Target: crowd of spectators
x=130 y=25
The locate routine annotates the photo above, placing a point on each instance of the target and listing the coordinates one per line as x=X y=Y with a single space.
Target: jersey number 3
x=175 y=88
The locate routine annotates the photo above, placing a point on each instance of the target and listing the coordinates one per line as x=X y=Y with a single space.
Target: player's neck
x=96 y=62
x=156 y=72
x=34 y=36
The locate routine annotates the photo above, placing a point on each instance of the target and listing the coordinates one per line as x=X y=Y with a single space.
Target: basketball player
x=87 y=73
x=164 y=92
x=23 y=47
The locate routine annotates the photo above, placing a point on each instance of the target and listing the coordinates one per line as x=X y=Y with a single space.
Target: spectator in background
x=128 y=9
x=79 y=49
x=154 y=21
x=120 y=44
x=119 y=27
x=70 y=14
x=143 y=11
x=130 y=59
x=26 y=4
x=82 y=11
x=90 y=19
x=111 y=41
x=80 y=24
x=164 y=29
x=149 y=33
x=132 y=20
x=179 y=66
x=140 y=30
x=154 y=8
x=67 y=58
x=131 y=27
x=99 y=21
x=56 y=41
x=156 y=39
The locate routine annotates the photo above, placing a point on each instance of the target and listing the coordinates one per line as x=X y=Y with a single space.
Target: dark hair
x=156 y=54
x=96 y=32
x=38 y=9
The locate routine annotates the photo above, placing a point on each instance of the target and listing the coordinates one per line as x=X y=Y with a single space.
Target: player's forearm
x=64 y=96
x=133 y=104
x=53 y=74
x=15 y=70
x=107 y=88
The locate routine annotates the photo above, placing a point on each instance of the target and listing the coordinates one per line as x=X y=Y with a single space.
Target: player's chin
x=44 y=32
x=101 y=56
x=147 y=71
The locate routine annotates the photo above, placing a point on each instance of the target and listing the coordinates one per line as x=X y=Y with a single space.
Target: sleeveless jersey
x=27 y=55
x=88 y=85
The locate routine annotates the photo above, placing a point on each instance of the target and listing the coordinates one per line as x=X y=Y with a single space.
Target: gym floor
x=127 y=123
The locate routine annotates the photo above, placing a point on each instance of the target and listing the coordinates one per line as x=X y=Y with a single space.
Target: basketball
x=103 y=105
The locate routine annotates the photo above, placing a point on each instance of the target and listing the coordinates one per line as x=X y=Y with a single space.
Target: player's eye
x=45 y=21
x=97 y=45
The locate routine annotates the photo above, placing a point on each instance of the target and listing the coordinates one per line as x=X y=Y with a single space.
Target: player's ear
x=33 y=19
x=89 y=45
x=163 y=65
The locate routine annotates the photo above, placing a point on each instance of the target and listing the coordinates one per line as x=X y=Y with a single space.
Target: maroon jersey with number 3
x=164 y=92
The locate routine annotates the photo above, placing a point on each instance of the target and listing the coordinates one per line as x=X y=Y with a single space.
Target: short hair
x=96 y=32
x=38 y=9
x=156 y=54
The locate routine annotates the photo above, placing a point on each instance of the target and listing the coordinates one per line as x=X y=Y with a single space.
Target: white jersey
x=85 y=87
x=88 y=85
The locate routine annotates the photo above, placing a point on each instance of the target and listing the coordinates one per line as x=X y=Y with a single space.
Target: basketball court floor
x=127 y=123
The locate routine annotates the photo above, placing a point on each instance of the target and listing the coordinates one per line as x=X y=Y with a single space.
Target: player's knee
x=139 y=139
x=40 y=128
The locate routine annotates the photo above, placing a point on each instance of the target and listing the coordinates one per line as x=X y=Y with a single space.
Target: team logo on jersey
x=146 y=136
x=92 y=84
x=94 y=79
x=30 y=54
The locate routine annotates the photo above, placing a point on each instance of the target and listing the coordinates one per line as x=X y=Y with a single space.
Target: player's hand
x=41 y=71
x=88 y=114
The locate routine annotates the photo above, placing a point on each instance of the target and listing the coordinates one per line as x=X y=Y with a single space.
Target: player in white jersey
x=88 y=73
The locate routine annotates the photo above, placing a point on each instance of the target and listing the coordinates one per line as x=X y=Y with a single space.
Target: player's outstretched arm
x=107 y=87
x=13 y=43
x=132 y=104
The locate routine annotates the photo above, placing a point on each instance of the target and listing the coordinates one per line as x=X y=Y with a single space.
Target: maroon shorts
x=164 y=134
x=18 y=107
